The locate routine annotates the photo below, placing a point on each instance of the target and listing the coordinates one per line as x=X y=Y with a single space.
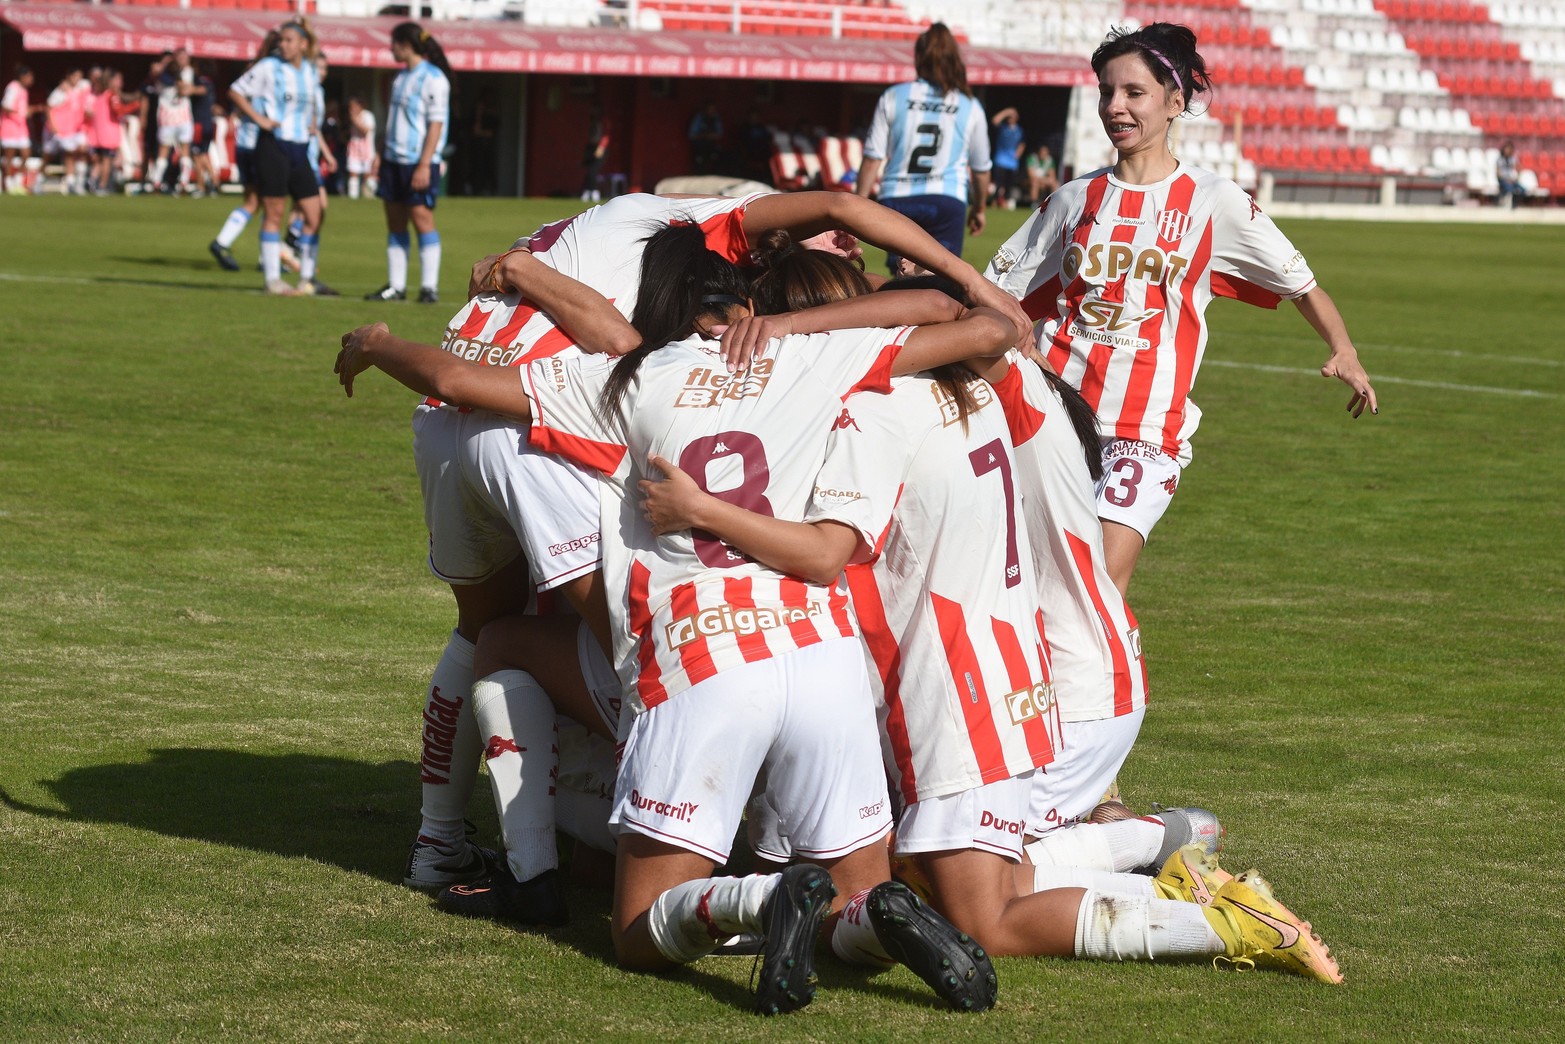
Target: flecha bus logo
x=706 y=386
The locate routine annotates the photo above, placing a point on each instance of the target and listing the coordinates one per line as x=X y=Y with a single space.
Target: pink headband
x=1167 y=65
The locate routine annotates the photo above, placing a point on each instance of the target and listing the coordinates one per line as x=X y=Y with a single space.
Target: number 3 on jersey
x=732 y=467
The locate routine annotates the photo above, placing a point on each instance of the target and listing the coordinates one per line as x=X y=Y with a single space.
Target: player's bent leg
x=533 y=644
x=506 y=592
x=977 y=892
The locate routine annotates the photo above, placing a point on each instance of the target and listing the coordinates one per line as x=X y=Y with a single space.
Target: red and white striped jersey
x=601 y=248
x=686 y=606
x=949 y=609
x=1119 y=277
x=1093 y=639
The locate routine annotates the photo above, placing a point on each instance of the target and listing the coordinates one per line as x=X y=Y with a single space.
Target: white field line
x=16 y=277
x=1380 y=378
x=1444 y=353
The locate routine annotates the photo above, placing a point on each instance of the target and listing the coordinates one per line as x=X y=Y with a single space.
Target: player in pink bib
x=1119 y=266
x=16 y=141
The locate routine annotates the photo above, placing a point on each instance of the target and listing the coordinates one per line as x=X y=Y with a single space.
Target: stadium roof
x=513 y=47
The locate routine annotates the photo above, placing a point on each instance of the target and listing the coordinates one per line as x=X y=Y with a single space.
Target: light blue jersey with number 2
x=931 y=143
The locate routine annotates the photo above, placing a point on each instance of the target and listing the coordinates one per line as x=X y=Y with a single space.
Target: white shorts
x=1137 y=485
x=603 y=684
x=1087 y=757
x=990 y=818
x=71 y=142
x=18 y=144
x=489 y=495
x=176 y=134
x=804 y=719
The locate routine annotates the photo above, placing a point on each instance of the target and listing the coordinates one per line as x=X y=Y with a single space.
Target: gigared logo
x=1172 y=225
x=1027 y=704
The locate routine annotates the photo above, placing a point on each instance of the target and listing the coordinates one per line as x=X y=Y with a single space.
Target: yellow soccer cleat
x=1191 y=875
x=1258 y=930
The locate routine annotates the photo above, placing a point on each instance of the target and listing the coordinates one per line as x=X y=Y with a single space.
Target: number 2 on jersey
x=991 y=457
x=922 y=159
x=749 y=493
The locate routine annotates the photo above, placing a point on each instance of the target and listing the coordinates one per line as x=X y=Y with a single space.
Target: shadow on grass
x=193 y=264
x=351 y=814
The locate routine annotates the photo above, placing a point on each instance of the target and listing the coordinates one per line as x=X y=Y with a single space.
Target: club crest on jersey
x=706 y=386
x=1026 y=704
x=1172 y=225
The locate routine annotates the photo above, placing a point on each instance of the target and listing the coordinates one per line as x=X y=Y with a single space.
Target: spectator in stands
x=1009 y=144
x=755 y=148
x=1042 y=177
x=16 y=141
x=1508 y=174
x=706 y=138
x=592 y=156
x=936 y=164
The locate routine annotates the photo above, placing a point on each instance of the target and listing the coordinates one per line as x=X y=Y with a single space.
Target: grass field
x=215 y=626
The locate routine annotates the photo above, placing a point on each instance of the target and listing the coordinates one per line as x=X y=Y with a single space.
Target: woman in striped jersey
x=246 y=135
x=279 y=94
x=1120 y=265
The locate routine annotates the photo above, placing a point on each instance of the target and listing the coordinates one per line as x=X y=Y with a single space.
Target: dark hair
x=793 y=277
x=20 y=71
x=679 y=279
x=268 y=45
x=936 y=58
x=954 y=379
x=1168 y=51
x=424 y=45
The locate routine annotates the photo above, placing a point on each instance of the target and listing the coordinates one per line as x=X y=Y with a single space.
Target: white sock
x=158 y=167
x=309 y=249
x=429 y=260
x=1081 y=844
x=1134 y=842
x=1047 y=877
x=448 y=769
x=271 y=256
x=353 y=186
x=237 y=219
x=516 y=721
x=689 y=920
x=853 y=937
x=1113 y=927
x=397 y=260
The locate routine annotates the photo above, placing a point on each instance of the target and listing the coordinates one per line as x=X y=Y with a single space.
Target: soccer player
x=416 y=126
x=1119 y=269
x=16 y=141
x=68 y=122
x=278 y=93
x=176 y=120
x=731 y=666
x=363 y=161
x=246 y=135
x=928 y=146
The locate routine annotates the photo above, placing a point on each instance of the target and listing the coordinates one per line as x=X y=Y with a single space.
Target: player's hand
x=351 y=361
x=976 y=222
x=669 y=503
x=1345 y=366
x=986 y=293
x=838 y=241
x=746 y=339
x=481 y=280
x=420 y=179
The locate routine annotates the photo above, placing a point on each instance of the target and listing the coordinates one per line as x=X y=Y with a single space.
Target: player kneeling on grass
x=733 y=668
x=966 y=707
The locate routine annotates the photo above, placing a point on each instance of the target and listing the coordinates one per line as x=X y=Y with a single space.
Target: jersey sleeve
x=566 y=421
x=437 y=100
x=979 y=159
x=876 y=142
x=1252 y=260
x=1022 y=419
x=1027 y=266
x=851 y=361
x=866 y=465
x=721 y=220
x=255 y=82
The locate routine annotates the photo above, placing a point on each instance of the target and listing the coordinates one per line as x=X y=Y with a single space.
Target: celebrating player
x=1119 y=268
x=416 y=126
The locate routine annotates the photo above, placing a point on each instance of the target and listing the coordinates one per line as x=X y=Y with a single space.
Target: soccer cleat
x=316 y=288
x=1191 y=875
x=501 y=897
x=792 y=918
x=428 y=295
x=1258 y=930
x=278 y=288
x=225 y=256
x=387 y=293
x=950 y=961
x=431 y=867
x=1187 y=826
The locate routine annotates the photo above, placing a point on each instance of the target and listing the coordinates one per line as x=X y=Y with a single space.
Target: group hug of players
x=838 y=572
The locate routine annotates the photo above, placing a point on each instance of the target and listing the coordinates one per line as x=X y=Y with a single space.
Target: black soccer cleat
x=386 y=293
x=501 y=897
x=428 y=295
x=225 y=256
x=950 y=961
x=792 y=918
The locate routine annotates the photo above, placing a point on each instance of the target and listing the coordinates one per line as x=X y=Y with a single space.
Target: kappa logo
x=1170 y=484
x=1255 y=208
x=499 y=745
x=845 y=420
x=1172 y=225
x=1026 y=704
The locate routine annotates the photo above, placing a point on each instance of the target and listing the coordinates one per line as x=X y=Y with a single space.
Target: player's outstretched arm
x=747 y=338
x=1321 y=312
x=814 y=551
x=585 y=315
x=430 y=371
